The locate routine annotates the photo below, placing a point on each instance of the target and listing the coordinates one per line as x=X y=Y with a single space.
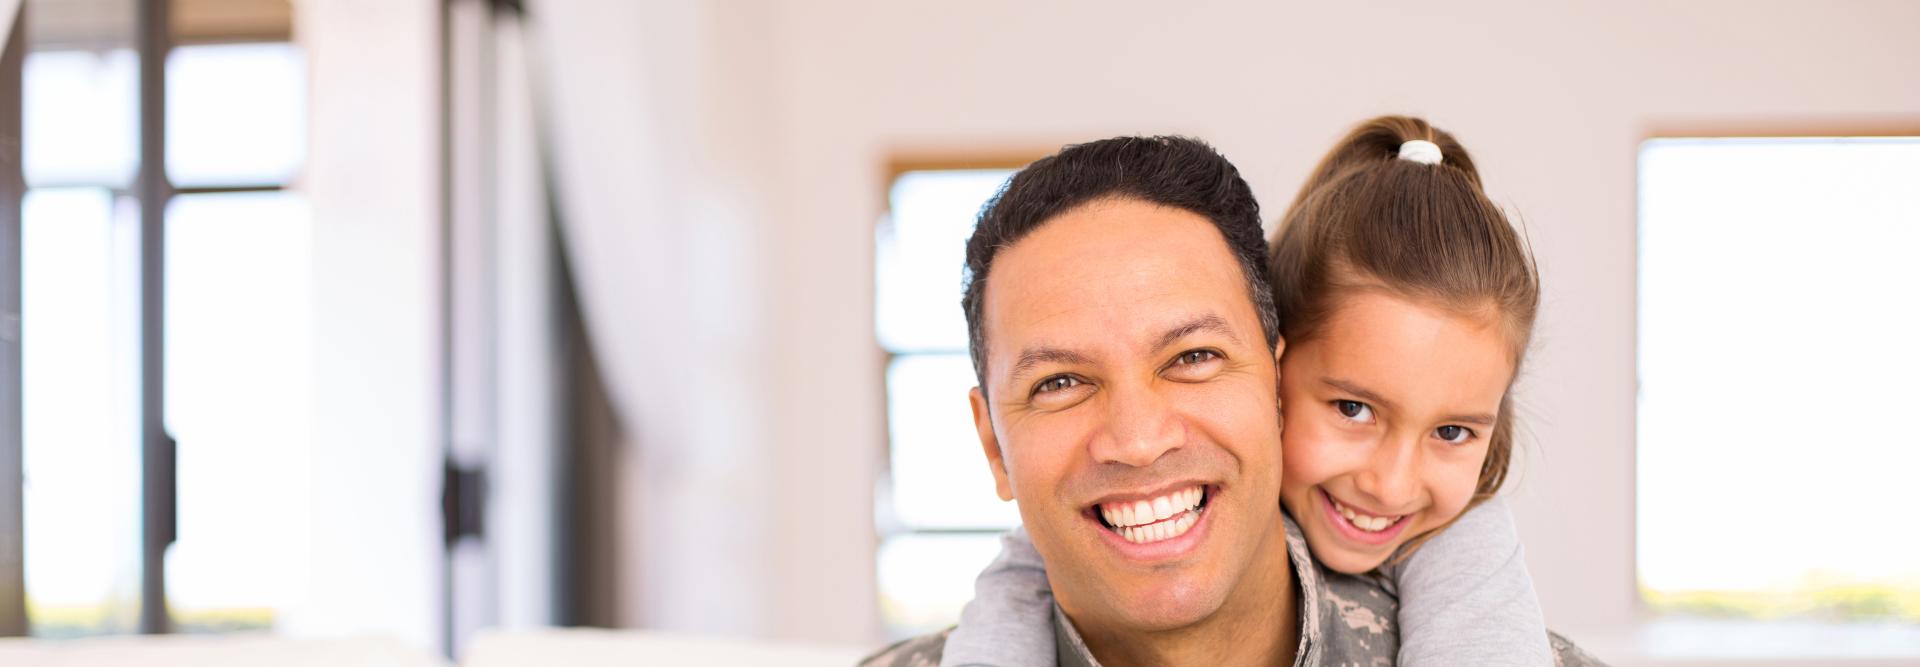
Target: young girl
x=1407 y=301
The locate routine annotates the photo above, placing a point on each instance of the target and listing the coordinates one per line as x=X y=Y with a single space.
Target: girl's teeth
x=1371 y=524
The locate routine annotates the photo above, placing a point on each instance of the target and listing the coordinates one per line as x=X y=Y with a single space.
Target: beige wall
x=729 y=159
x=1553 y=99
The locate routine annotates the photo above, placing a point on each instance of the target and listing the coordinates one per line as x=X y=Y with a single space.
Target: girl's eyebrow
x=1356 y=390
x=1477 y=419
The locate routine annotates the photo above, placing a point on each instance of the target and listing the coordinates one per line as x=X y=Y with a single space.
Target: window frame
x=888 y=525
x=13 y=190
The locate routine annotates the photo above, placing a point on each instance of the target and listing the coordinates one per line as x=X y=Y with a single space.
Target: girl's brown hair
x=1427 y=232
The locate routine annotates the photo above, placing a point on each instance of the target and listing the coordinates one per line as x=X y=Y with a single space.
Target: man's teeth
x=1161 y=518
x=1164 y=530
x=1371 y=524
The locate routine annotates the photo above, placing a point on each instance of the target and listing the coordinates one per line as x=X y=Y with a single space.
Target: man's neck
x=1257 y=625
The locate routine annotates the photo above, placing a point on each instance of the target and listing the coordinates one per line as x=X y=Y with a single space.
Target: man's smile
x=1155 y=525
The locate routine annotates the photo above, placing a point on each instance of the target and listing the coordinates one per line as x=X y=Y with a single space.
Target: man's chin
x=1168 y=604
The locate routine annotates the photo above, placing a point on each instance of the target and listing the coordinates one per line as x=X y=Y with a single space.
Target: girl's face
x=1388 y=411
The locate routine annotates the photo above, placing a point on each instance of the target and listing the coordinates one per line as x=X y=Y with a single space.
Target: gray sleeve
x=1009 y=623
x=1466 y=597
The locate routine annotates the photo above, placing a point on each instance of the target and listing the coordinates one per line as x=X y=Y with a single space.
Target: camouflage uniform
x=1350 y=624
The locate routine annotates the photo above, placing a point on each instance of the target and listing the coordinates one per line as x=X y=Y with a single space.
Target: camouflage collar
x=1071 y=651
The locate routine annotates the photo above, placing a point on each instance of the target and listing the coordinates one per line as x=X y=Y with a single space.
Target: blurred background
x=413 y=318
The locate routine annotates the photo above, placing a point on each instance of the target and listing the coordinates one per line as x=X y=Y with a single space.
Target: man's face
x=1131 y=409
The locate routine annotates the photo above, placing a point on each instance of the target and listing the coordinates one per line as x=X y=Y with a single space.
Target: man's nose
x=1391 y=477
x=1141 y=427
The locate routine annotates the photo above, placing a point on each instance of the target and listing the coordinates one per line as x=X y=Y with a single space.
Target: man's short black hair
x=1177 y=172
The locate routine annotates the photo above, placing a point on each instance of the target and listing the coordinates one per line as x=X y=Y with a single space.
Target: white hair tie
x=1421 y=151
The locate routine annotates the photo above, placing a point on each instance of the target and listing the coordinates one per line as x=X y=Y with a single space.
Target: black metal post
x=445 y=393
x=158 y=493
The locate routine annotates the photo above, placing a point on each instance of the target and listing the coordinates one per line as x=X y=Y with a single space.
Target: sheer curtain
x=656 y=202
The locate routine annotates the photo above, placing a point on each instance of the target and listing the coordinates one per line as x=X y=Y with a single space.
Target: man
x=1123 y=335
x=1122 y=331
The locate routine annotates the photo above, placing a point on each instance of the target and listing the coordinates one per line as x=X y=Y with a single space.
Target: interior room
x=503 y=332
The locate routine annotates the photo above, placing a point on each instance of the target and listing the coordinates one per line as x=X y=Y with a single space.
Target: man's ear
x=1279 y=350
x=983 y=425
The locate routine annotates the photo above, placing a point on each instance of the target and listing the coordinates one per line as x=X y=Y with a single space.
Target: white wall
x=372 y=179
x=660 y=123
x=1553 y=99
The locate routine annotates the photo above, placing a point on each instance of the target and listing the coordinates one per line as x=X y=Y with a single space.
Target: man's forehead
x=1122 y=271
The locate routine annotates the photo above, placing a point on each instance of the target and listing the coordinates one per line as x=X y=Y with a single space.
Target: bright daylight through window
x=1779 y=316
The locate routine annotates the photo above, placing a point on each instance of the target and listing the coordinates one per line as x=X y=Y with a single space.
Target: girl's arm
x=1466 y=597
x=1009 y=623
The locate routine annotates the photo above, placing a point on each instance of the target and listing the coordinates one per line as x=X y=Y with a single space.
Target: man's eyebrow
x=1208 y=322
x=1033 y=357
x=1358 y=391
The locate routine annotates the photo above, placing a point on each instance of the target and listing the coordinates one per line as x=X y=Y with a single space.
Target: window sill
x=1740 y=643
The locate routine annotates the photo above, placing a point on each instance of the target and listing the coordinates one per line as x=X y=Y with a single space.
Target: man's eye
x=1056 y=383
x=1194 y=366
x=1354 y=410
x=1454 y=434
x=1196 y=357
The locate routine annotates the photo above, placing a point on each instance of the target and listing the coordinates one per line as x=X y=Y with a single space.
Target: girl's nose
x=1392 y=476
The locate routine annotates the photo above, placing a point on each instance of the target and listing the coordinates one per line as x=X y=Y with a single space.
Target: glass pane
x=925 y=580
x=236 y=114
x=1778 y=316
x=81 y=117
x=920 y=256
x=238 y=340
x=940 y=475
x=80 y=393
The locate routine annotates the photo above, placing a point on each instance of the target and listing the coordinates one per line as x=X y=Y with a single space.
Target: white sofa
x=570 y=647
x=625 y=648
x=211 y=651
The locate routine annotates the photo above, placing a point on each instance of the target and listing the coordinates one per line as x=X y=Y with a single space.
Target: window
x=238 y=368
x=235 y=316
x=80 y=405
x=80 y=322
x=1779 y=316
x=237 y=350
x=939 y=519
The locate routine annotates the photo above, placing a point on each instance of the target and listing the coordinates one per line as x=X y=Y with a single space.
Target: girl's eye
x=1056 y=383
x=1354 y=410
x=1454 y=434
